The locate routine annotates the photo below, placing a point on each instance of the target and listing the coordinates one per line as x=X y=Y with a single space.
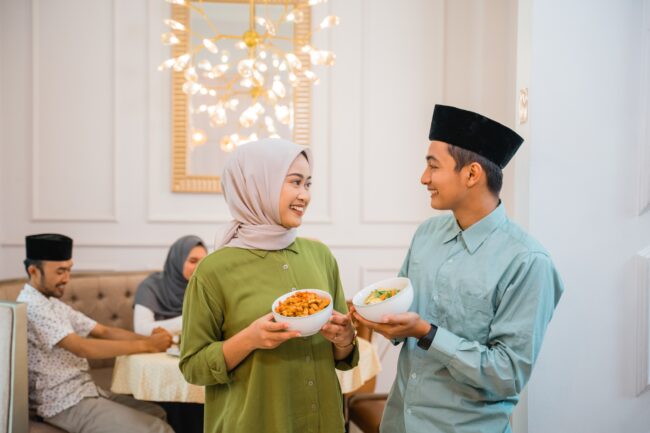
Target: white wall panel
x=401 y=80
x=73 y=72
x=586 y=94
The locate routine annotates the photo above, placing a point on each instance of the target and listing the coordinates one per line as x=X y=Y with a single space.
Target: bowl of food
x=391 y=296
x=305 y=310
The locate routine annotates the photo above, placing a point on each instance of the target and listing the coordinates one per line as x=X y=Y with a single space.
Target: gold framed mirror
x=209 y=120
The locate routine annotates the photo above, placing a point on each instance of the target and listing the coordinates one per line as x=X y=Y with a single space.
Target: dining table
x=156 y=376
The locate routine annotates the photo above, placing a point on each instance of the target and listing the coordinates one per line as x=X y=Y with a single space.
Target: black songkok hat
x=474 y=132
x=48 y=246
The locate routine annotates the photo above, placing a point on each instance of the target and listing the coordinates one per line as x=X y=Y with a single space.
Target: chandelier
x=241 y=83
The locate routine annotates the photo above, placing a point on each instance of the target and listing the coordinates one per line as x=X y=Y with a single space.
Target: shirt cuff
x=445 y=345
x=217 y=363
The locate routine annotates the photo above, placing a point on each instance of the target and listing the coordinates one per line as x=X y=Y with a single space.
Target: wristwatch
x=425 y=341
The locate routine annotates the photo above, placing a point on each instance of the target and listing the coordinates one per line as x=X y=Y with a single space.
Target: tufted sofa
x=106 y=297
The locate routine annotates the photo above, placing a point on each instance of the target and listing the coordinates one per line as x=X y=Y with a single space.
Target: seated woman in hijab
x=258 y=375
x=159 y=298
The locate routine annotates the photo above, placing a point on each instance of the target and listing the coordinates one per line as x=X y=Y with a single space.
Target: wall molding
x=37 y=215
x=216 y=219
x=331 y=245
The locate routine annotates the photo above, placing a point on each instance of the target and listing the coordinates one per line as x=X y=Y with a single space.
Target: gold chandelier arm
x=252 y=16
x=199 y=10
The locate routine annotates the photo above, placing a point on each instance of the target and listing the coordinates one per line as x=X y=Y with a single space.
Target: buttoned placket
x=309 y=379
x=440 y=293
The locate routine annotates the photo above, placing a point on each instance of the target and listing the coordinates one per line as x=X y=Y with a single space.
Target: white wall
x=586 y=123
x=86 y=150
x=87 y=153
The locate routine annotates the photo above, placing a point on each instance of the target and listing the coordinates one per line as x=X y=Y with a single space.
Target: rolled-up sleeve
x=202 y=361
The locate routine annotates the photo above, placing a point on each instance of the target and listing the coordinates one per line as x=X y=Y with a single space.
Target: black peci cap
x=474 y=132
x=48 y=246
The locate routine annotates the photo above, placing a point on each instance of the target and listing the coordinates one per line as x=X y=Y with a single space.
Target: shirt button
x=435 y=297
x=450 y=260
x=408 y=411
x=413 y=375
x=285 y=266
x=307 y=358
x=313 y=407
x=310 y=383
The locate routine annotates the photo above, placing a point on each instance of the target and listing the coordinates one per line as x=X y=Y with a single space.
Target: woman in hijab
x=258 y=376
x=159 y=298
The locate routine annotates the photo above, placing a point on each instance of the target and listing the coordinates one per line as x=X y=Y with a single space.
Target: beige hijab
x=252 y=180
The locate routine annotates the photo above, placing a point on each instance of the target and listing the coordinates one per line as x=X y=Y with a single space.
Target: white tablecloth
x=156 y=377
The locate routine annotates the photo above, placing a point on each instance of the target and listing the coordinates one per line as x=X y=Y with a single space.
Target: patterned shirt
x=58 y=379
x=491 y=290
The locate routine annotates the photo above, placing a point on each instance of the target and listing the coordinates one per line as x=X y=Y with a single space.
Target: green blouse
x=292 y=388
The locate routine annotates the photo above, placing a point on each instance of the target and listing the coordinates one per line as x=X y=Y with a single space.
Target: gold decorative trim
x=181 y=180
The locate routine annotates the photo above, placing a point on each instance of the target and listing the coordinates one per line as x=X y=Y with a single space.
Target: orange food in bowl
x=301 y=304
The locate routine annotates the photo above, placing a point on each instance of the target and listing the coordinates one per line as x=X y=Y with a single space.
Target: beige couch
x=106 y=297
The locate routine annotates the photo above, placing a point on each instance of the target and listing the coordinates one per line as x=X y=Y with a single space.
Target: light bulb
x=278 y=88
x=199 y=137
x=167 y=64
x=169 y=39
x=210 y=46
x=181 y=62
x=330 y=21
x=205 y=65
x=295 y=16
x=293 y=60
x=282 y=114
x=175 y=25
x=226 y=144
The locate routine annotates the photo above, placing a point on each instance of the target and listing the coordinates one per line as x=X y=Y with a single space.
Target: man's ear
x=33 y=271
x=474 y=174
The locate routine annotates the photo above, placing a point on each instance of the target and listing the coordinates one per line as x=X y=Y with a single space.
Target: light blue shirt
x=491 y=290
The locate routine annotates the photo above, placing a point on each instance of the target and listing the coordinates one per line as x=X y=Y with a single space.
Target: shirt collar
x=451 y=231
x=478 y=232
x=33 y=292
x=263 y=253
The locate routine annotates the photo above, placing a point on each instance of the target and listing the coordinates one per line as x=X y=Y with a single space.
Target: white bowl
x=306 y=325
x=400 y=303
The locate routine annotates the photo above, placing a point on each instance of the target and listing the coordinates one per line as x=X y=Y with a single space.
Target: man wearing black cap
x=485 y=290
x=60 y=388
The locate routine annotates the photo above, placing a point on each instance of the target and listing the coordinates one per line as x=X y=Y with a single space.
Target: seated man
x=60 y=388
